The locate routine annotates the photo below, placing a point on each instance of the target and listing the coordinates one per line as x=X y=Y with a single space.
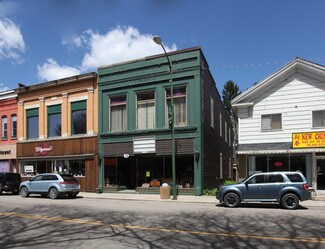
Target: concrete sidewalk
x=180 y=198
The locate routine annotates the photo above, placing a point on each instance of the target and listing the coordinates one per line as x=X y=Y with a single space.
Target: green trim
x=79 y=105
x=32 y=112
x=54 y=109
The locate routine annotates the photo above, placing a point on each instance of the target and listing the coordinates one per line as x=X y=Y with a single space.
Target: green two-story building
x=135 y=145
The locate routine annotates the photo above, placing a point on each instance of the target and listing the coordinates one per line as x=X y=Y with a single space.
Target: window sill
x=275 y=130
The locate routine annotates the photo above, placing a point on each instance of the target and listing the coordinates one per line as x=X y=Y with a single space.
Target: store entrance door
x=320 y=173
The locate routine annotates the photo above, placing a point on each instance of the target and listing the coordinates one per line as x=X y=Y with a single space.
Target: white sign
x=29 y=168
x=144 y=145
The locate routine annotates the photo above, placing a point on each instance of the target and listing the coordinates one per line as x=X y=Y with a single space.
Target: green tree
x=229 y=92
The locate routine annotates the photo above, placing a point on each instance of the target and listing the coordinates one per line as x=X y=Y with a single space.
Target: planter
x=113 y=189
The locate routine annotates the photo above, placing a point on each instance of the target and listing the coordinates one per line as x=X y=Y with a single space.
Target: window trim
x=312 y=118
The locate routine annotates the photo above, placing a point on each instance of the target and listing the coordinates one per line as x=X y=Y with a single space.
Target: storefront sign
x=29 y=168
x=7 y=152
x=308 y=140
x=144 y=145
x=43 y=149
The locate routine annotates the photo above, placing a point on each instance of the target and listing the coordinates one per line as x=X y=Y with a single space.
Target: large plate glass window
x=146 y=110
x=271 y=122
x=118 y=121
x=179 y=100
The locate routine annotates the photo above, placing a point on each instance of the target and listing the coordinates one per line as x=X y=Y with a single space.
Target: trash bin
x=165 y=191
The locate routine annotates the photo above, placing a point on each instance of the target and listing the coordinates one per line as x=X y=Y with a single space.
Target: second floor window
x=179 y=100
x=271 y=122
x=54 y=120
x=4 y=127
x=32 y=123
x=14 y=126
x=146 y=110
x=318 y=118
x=79 y=117
x=118 y=114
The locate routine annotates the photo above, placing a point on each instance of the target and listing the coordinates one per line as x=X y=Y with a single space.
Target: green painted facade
x=152 y=74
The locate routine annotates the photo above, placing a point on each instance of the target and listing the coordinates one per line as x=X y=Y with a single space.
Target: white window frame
x=270 y=126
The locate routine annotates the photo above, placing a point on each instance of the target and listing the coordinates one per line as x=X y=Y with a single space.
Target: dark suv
x=9 y=182
x=286 y=188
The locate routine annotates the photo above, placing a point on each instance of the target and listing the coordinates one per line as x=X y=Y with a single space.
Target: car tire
x=290 y=201
x=53 y=193
x=24 y=192
x=231 y=200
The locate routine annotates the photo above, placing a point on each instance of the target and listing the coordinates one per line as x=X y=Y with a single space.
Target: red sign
x=278 y=164
x=43 y=149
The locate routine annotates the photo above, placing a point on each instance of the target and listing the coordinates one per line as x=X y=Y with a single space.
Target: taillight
x=65 y=183
x=305 y=186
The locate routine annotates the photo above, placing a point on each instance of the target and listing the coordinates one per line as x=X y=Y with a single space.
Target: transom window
x=118 y=121
x=319 y=118
x=179 y=100
x=146 y=110
x=271 y=122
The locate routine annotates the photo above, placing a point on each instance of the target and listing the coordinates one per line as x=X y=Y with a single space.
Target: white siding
x=295 y=98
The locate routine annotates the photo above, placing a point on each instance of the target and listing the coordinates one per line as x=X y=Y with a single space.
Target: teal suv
x=52 y=185
x=286 y=188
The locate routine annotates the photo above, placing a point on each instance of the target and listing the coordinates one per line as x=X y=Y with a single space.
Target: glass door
x=321 y=174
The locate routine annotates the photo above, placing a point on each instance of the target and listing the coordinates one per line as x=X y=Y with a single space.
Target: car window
x=295 y=177
x=37 y=178
x=69 y=178
x=256 y=179
x=274 y=178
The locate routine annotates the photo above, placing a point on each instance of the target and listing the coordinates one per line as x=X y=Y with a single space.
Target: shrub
x=211 y=192
x=229 y=182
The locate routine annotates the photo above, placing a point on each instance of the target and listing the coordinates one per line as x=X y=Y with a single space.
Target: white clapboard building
x=281 y=123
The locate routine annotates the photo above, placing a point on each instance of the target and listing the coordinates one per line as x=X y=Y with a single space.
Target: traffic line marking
x=159 y=229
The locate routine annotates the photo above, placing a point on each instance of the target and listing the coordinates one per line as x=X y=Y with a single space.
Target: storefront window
x=257 y=163
x=278 y=163
x=31 y=168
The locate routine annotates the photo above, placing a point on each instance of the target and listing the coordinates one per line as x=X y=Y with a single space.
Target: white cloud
x=12 y=44
x=51 y=70
x=3 y=87
x=118 y=45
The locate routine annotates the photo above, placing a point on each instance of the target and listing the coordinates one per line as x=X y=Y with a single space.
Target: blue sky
x=242 y=40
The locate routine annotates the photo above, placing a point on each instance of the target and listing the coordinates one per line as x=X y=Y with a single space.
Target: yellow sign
x=147 y=173
x=308 y=139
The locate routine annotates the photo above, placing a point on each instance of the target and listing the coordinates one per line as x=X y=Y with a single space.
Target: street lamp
x=158 y=41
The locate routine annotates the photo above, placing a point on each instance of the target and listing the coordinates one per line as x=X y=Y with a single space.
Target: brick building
x=134 y=136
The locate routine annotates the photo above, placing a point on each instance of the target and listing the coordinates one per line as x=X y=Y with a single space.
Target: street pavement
x=320 y=202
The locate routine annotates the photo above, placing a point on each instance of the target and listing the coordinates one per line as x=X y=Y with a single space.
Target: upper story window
x=220 y=124
x=179 y=100
x=4 y=127
x=146 y=110
x=79 y=117
x=212 y=112
x=271 y=122
x=54 y=120
x=118 y=121
x=318 y=118
x=13 y=125
x=32 y=123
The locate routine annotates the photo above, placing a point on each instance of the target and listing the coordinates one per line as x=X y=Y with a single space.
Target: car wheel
x=231 y=200
x=290 y=201
x=24 y=192
x=72 y=196
x=53 y=193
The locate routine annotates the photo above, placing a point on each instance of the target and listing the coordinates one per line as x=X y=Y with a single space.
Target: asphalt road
x=36 y=222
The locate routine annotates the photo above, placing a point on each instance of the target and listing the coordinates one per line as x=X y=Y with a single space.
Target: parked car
x=9 y=182
x=52 y=185
x=286 y=188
